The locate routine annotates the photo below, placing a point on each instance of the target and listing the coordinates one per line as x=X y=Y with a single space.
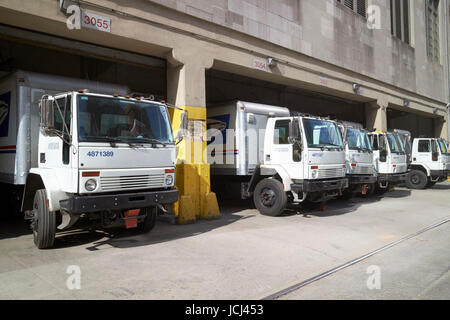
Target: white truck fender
x=427 y=169
x=54 y=193
x=286 y=180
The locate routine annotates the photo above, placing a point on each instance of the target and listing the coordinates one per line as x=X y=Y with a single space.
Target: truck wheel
x=150 y=220
x=370 y=190
x=416 y=180
x=44 y=221
x=269 y=197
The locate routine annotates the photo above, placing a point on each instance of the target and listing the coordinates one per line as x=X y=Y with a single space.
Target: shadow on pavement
x=232 y=211
x=445 y=186
x=13 y=227
x=123 y=238
x=341 y=206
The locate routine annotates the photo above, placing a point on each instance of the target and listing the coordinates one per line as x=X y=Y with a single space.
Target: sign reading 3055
x=94 y=21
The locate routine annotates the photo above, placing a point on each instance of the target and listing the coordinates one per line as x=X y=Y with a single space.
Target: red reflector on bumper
x=91 y=174
x=131 y=218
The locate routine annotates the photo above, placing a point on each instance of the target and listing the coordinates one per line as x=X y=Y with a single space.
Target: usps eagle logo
x=4 y=113
x=4 y=110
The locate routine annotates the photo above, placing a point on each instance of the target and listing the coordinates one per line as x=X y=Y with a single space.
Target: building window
x=357 y=6
x=432 y=28
x=400 y=20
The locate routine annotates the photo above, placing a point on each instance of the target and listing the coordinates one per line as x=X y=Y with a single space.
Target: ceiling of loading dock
x=105 y=65
x=222 y=86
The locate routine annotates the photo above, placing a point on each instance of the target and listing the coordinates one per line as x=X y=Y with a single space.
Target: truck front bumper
x=320 y=185
x=392 y=178
x=361 y=179
x=440 y=174
x=94 y=203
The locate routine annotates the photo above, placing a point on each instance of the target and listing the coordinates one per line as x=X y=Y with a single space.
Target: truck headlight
x=90 y=185
x=169 y=180
x=314 y=174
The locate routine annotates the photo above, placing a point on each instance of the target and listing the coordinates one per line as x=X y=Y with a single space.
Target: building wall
x=329 y=31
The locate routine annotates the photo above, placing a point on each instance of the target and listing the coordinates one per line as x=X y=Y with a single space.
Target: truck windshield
x=121 y=120
x=395 y=144
x=443 y=146
x=321 y=133
x=358 y=139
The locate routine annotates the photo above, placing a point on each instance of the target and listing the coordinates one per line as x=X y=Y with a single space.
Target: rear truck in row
x=103 y=156
x=277 y=159
x=361 y=173
x=429 y=161
x=389 y=159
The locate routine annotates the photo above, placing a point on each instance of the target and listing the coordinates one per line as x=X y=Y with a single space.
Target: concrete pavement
x=243 y=255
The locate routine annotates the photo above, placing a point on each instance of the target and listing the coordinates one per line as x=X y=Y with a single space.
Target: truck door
x=424 y=154
x=55 y=151
x=285 y=148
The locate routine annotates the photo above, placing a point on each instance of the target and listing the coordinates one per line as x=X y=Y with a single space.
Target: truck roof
x=64 y=84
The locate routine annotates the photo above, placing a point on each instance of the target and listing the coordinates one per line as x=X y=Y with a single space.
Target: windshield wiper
x=150 y=140
x=111 y=140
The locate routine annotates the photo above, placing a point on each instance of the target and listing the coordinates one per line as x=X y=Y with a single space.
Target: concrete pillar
x=376 y=115
x=440 y=127
x=186 y=89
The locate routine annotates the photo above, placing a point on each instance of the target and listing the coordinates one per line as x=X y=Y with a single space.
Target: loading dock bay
x=244 y=255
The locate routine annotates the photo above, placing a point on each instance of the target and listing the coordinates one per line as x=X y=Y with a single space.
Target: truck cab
x=389 y=158
x=107 y=157
x=304 y=160
x=358 y=159
x=430 y=163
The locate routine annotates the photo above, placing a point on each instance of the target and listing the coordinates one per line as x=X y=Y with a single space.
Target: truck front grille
x=362 y=170
x=330 y=173
x=131 y=182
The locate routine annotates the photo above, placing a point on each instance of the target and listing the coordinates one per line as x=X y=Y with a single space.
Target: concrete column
x=186 y=89
x=376 y=115
x=441 y=128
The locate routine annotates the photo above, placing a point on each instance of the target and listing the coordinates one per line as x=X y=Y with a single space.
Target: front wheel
x=44 y=221
x=380 y=191
x=369 y=191
x=149 y=221
x=270 y=198
x=416 y=180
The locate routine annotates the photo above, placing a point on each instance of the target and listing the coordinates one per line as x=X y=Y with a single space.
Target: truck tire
x=370 y=190
x=44 y=221
x=269 y=197
x=416 y=179
x=150 y=220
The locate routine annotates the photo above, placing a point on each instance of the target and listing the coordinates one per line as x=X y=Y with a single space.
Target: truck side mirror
x=47 y=114
x=182 y=131
x=294 y=132
x=383 y=155
x=435 y=156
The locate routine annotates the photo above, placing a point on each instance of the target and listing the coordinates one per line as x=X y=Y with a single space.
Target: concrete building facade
x=384 y=63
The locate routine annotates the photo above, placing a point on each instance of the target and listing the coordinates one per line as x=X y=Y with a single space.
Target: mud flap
x=68 y=220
